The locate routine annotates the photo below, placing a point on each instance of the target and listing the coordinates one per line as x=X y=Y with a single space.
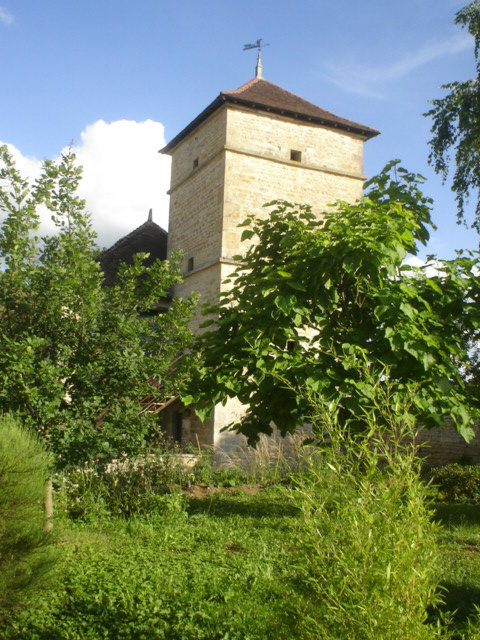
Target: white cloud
x=124 y=176
x=369 y=80
x=431 y=268
x=5 y=16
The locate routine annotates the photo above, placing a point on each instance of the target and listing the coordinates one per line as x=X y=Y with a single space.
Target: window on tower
x=295 y=155
x=195 y=163
x=190 y=264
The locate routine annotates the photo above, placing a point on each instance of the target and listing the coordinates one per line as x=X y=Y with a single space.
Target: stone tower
x=249 y=146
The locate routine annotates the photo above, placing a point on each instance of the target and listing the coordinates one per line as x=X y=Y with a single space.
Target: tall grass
x=367 y=539
x=274 y=459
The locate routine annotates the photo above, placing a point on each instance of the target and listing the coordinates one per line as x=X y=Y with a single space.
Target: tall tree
x=456 y=126
x=70 y=348
x=316 y=303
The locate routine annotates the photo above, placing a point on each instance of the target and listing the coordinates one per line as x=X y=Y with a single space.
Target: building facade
x=250 y=146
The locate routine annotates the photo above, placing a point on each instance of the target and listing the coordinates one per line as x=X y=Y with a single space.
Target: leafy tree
x=314 y=301
x=71 y=349
x=456 y=125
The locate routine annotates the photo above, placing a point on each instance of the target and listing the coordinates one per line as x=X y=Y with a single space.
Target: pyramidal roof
x=149 y=238
x=266 y=96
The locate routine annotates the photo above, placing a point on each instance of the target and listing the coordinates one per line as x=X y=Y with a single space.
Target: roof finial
x=257 y=45
x=258 y=68
x=150 y=215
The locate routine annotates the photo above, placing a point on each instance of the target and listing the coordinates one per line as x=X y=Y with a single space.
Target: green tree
x=314 y=299
x=456 y=125
x=71 y=349
x=27 y=552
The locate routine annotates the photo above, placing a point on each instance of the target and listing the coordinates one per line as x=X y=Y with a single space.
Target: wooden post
x=49 y=505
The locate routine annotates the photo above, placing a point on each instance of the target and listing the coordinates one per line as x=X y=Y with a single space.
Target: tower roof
x=266 y=96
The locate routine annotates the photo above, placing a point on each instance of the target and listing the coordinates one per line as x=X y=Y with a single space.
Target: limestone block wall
x=204 y=142
x=250 y=182
x=227 y=168
x=196 y=205
x=194 y=433
x=258 y=168
x=224 y=415
x=444 y=445
x=274 y=136
x=206 y=282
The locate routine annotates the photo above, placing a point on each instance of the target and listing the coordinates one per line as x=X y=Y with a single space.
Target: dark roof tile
x=147 y=238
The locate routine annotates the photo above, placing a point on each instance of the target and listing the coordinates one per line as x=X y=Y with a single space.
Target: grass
x=219 y=568
x=460 y=560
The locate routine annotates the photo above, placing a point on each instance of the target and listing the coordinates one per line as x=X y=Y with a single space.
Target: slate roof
x=266 y=96
x=147 y=238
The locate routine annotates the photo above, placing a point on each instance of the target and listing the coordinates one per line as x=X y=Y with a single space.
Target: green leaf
x=246 y=235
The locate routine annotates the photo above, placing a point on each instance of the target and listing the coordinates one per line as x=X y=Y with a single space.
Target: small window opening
x=295 y=155
x=291 y=345
x=190 y=264
x=177 y=428
x=195 y=163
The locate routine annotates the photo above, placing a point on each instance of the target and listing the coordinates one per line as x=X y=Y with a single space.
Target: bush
x=456 y=483
x=367 y=539
x=125 y=488
x=27 y=551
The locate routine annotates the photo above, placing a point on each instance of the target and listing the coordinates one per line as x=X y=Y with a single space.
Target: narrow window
x=195 y=163
x=291 y=345
x=190 y=264
x=177 y=428
x=295 y=155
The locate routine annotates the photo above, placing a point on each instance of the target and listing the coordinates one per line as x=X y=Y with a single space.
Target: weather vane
x=257 y=45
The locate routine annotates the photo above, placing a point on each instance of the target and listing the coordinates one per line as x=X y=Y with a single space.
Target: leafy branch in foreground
x=313 y=298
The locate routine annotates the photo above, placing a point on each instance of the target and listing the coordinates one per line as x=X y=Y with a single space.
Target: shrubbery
x=27 y=552
x=141 y=485
x=124 y=488
x=456 y=483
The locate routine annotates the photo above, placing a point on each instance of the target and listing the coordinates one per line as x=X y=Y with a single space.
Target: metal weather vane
x=257 y=45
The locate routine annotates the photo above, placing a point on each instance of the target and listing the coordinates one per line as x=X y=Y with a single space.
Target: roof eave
x=353 y=127
x=213 y=106
x=222 y=98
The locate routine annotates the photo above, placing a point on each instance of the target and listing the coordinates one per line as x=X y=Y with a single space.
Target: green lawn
x=220 y=569
x=223 y=567
x=460 y=552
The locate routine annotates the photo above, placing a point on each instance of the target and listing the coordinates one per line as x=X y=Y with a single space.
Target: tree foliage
x=72 y=349
x=456 y=125
x=314 y=299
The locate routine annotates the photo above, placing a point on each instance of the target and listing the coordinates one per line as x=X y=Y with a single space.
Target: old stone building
x=249 y=146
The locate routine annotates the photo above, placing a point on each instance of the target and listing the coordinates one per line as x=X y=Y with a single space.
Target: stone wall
x=227 y=168
x=273 y=136
x=444 y=445
x=258 y=168
x=194 y=433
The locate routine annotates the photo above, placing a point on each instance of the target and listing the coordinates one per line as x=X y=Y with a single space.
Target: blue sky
x=119 y=78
